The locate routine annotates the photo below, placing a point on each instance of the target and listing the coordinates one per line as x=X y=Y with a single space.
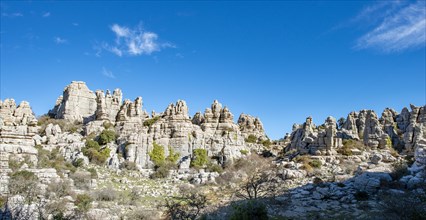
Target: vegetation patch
x=199 y=158
x=151 y=121
x=251 y=139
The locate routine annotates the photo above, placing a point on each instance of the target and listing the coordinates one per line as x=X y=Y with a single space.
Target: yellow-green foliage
x=65 y=125
x=315 y=163
x=151 y=121
x=107 y=124
x=266 y=143
x=244 y=152
x=157 y=154
x=173 y=157
x=199 y=158
x=22 y=182
x=348 y=145
x=83 y=202
x=106 y=136
x=388 y=142
x=251 y=139
x=53 y=159
x=95 y=153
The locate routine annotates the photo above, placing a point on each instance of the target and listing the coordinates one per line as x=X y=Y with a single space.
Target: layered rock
x=78 y=103
x=214 y=131
x=307 y=138
x=373 y=134
x=17 y=127
x=250 y=125
x=108 y=105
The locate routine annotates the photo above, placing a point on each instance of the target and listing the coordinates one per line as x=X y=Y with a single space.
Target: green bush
x=53 y=159
x=244 y=152
x=173 y=157
x=249 y=210
x=107 y=124
x=251 y=139
x=151 y=121
x=315 y=163
x=78 y=163
x=93 y=173
x=22 y=182
x=213 y=167
x=162 y=170
x=128 y=165
x=199 y=159
x=83 y=202
x=400 y=169
x=95 y=153
x=157 y=154
x=266 y=143
x=106 y=137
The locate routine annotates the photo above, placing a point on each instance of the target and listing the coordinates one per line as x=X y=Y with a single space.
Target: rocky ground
x=95 y=156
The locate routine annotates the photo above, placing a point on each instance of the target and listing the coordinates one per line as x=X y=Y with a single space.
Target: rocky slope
x=99 y=144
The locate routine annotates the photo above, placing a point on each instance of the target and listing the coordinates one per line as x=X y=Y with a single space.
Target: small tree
x=200 y=158
x=106 y=136
x=157 y=154
x=173 y=156
x=259 y=181
x=251 y=139
x=188 y=205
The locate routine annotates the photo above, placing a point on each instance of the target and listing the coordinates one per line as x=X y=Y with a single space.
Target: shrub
x=251 y=139
x=388 y=142
x=83 y=202
x=14 y=164
x=251 y=209
x=157 y=154
x=151 y=121
x=128 y=165
x=173 y=157
x=361 y=195
x=65 y=125
x=105 y=194
x=315 y=163
x=266 y=143
x=93 y=173
x=244 y=152
x=61 y=188
x=95 y=153
x=107 y=124
x=400 y=169
x=22 y=182
x=213 y=167
x=81 y=179
x=78 y=163
x=199 y=158
x=106 y=137
x=162 y=171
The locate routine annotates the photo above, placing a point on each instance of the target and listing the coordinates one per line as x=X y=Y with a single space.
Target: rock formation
x=250 y=125
x=108 y=105
x=78 y=103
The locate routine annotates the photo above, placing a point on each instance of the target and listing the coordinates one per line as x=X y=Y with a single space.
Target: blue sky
x=281 y=61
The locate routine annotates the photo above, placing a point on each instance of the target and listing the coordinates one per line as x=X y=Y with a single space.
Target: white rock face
x=78 y=103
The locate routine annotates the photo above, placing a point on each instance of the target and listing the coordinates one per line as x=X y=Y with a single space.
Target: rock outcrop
x=18 y=125
x=78 y=103
x=308 y=138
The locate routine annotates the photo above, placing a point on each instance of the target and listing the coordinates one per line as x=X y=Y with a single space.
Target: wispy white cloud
x=134 y=41
x=402 y=27
x=46 y=14
x=107 y=73
x=59 y=40
x=12 y=15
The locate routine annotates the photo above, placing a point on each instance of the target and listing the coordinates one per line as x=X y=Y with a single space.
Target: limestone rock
x=250 y=125
x=78 y=103
x=108 y=105
x=373 y=134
